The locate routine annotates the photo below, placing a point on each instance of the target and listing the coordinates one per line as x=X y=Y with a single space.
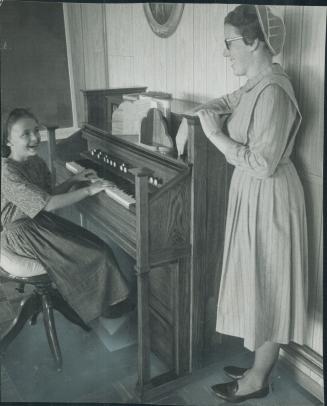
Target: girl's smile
x=24 y=139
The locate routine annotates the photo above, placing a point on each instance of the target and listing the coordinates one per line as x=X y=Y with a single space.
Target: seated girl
x=80 y=264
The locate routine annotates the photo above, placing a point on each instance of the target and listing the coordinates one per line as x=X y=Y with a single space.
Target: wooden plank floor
x=97 y=369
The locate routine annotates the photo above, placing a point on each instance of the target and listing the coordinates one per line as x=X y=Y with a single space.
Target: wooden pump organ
x=167 y=214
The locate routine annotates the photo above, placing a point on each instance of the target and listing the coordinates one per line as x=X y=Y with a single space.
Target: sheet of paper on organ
x=181 y=137
x=127 y=118
x=142 y=118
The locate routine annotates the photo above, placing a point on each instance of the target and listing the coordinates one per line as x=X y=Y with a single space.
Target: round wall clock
x=163 y=18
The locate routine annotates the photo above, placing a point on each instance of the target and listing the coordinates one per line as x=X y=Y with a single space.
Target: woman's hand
x=211 y=122
x=98 y=186
x=87 y=175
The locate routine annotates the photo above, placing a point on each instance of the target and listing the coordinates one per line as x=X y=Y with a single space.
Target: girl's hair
x=245 y=19
x=12 y=119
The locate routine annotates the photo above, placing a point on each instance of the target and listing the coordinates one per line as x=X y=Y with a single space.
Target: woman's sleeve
x=224 y=104
x=27 y=196
x=273 y=118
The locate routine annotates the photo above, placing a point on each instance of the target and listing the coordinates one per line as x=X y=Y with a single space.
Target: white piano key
x=113 y=191
x=74 y=167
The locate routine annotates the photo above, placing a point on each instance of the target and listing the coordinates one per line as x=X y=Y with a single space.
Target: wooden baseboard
x=300 y=360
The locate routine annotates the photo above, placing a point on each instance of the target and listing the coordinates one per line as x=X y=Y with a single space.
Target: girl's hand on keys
x=98 y=186
x=88 y=175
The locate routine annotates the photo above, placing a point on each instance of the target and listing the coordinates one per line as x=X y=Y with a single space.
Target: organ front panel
x=156 y=211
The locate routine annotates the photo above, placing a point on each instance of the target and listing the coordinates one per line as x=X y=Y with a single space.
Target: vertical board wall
x=112 y=45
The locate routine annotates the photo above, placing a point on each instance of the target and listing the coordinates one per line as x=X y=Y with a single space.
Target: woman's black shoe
x=227 y=391
x=235 y=372
x=119 y=309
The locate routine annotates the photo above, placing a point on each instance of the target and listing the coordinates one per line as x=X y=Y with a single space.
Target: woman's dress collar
x=276 y=69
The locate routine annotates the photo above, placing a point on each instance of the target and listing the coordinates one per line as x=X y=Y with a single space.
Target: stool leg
x=28 y=307
x=50 y=329
x=66 y=310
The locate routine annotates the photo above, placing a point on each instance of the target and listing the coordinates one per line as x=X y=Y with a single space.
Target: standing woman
x=80 y=264
x=263 y=290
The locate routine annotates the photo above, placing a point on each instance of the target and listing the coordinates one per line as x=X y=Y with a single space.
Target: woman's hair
x=12 y=119
x=245 y=19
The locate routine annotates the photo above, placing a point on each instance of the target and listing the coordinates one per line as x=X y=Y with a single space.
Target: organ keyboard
x=121 y=190
x=158 y=212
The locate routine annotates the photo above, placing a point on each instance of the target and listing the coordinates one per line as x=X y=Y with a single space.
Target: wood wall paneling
x=313 y=196
x=309 y=147
x=280 y=11
x=94 y=49
x=143 y=46
x=70 y=64
x=217 y=66
x=159 y=64
x=119 y=42
x=119 y=23
x=77 y=55
x=200 y=23
x=184 y=55
x=171 y=51
x=293 y=44
x=124 y=76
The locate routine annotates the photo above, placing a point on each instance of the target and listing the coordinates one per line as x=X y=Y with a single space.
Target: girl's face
x=24 y=139
x=239 y=53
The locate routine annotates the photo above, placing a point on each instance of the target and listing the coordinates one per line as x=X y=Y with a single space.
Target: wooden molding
x=70 y=65
x=294 y=356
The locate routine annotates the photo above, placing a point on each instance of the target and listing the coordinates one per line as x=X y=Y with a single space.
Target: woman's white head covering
x=273 y=28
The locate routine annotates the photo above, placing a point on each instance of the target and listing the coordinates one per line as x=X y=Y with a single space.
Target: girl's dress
x=263 y=290
x=80 y=264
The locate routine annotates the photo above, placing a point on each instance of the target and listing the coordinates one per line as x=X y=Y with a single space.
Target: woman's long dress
x=80 y=264
x=263 y=290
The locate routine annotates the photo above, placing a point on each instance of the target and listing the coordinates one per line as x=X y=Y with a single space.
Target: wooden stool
x=43 y=299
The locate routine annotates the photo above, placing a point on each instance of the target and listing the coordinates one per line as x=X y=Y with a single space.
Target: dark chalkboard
x=34 y=68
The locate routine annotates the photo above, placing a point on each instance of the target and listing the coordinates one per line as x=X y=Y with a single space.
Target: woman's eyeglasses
x=228 y=41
